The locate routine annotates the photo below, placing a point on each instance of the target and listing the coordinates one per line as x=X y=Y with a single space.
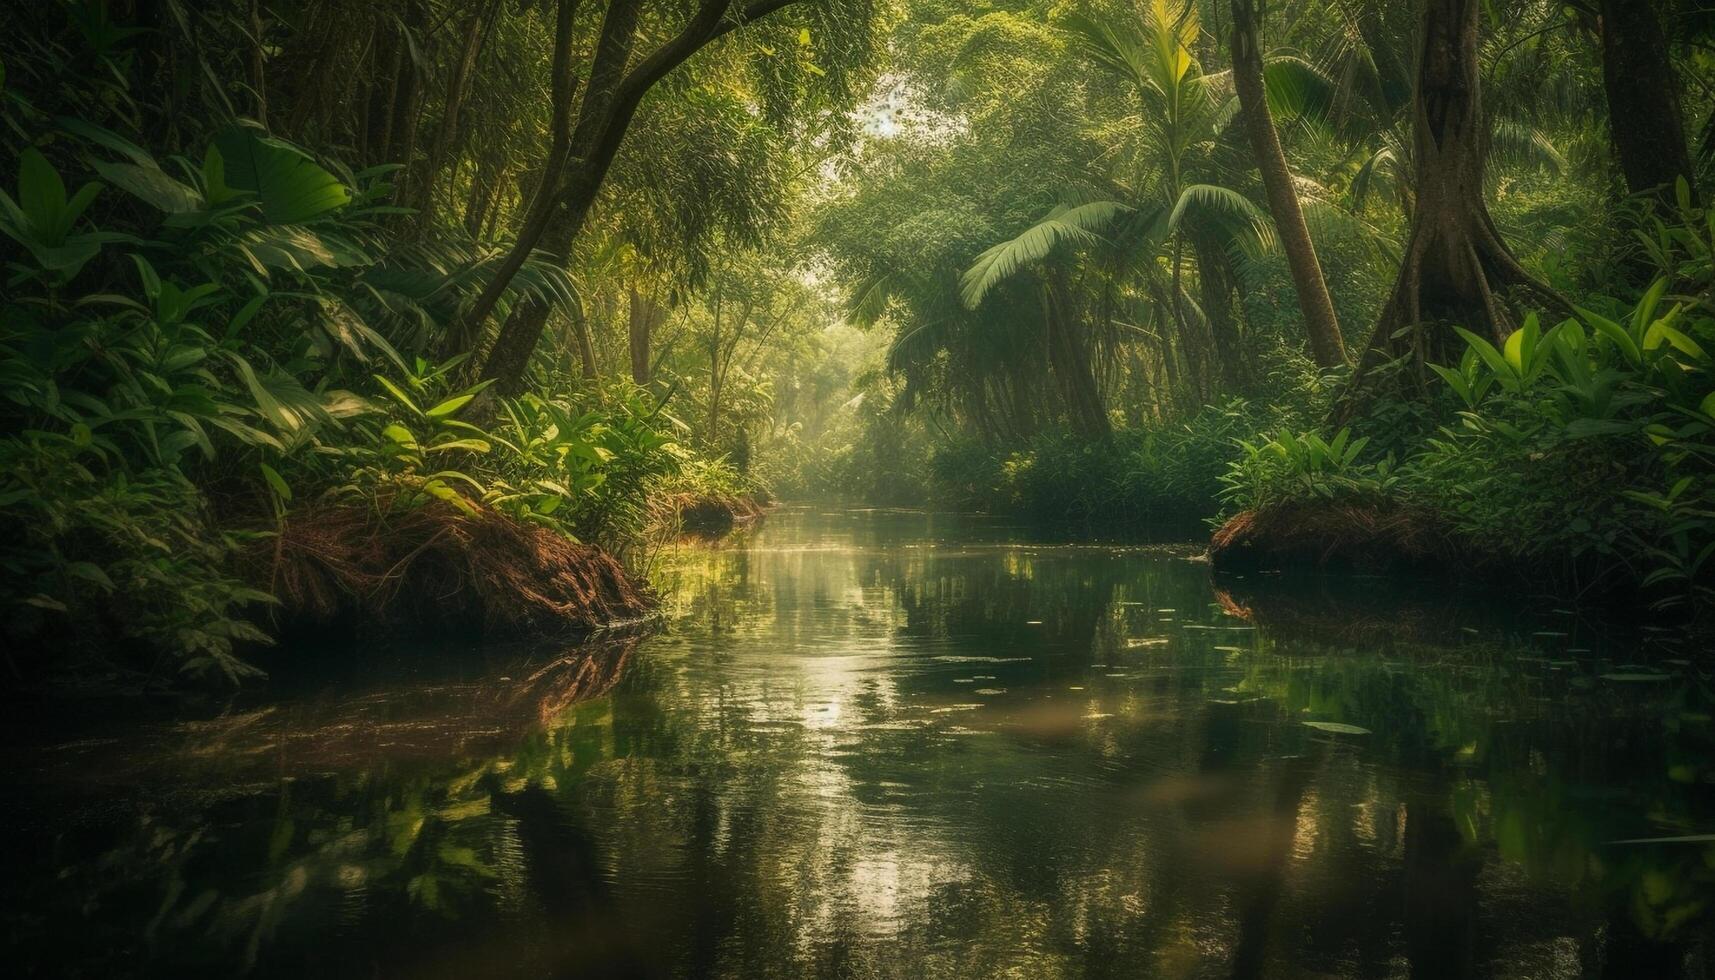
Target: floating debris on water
x=1337 y=728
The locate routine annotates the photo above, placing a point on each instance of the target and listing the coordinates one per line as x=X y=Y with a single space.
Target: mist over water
x=874 y=743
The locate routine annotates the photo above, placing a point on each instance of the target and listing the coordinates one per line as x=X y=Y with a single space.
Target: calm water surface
x=871 y=744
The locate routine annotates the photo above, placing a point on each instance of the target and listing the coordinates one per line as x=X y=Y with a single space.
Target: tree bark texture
x=645 y=316
x=1644 y=113
x=1455 y=268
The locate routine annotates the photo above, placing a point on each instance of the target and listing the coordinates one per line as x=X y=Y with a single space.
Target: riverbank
x=441 y=568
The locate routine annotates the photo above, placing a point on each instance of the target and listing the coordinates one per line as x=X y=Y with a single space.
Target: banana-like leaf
x=290 y=187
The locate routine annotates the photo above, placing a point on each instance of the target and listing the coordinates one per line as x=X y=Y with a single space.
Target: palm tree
x=1146 y=219
x=1313 y=299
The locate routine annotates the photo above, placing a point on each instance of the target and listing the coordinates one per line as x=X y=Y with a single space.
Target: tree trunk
x=540 y=221
x=1169 y=356
x=1069 y=360
x=384 y=86
x=646 y=315
x=1192 y=343
x=407 y=101
x=609 y=107
x=1455 y=264
x=483 y=185
x=577 y=164
x=581 y=336
x=458 y=85
x=1320 y=322
x=258 y=63
x=1644 y=113
x=715 y=384
x=1215 y=280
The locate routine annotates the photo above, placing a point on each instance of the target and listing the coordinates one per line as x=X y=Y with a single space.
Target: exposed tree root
x=1456 y=269
x=434 y=568
x=1454 y=274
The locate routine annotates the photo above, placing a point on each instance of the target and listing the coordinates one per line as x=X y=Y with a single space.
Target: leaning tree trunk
x=608 y=109
x=1456 y=268
x=1643 y=101
x=1320 y=321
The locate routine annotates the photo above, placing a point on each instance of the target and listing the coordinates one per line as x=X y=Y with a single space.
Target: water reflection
x=882 y=744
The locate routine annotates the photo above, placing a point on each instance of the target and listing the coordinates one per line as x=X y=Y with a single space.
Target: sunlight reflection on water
x=884 y=743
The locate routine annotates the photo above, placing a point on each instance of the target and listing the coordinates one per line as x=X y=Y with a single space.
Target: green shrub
x=190 y=348
x=1586 y=447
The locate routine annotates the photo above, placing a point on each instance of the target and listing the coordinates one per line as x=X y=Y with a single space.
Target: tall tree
x=1644 y=111
x=574 y=179
x=1320 y=321
x=1455 y=266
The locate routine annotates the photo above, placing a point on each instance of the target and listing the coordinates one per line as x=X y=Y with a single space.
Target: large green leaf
x=290 y=186
x=152 y=186
x=1296 y=88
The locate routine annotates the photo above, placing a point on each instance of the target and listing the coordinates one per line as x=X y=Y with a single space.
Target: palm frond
x=1297 y=89
x=1078 y=224
x=1385 y=160
x=1223 y=206
x=1516 y=144
x=870 y=300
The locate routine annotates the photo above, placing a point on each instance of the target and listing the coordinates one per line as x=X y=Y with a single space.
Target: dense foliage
x=1096 y=306
x=1122 y=266
x=237 y=292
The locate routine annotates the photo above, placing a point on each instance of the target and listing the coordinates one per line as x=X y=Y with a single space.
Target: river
x=890 y=744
